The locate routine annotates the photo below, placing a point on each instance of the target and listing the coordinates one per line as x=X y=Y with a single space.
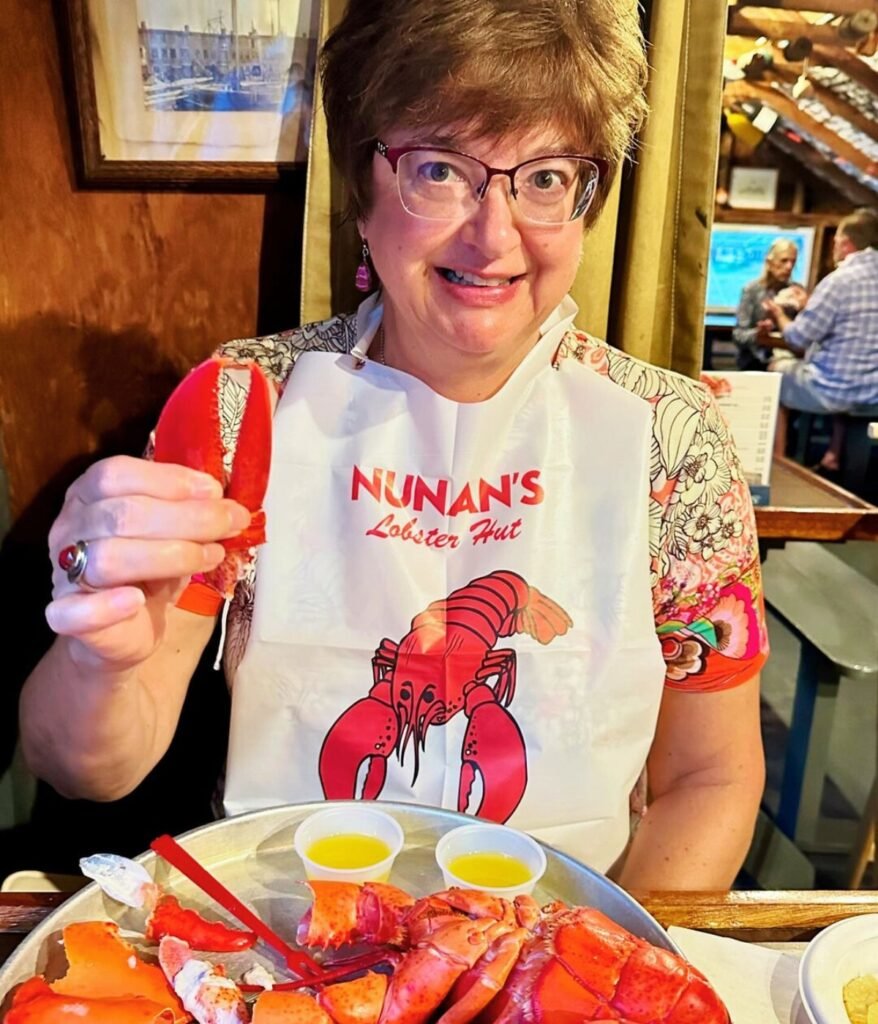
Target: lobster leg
x=500 y=663
x=366 y=731
x=493 y=747
x=384 y=659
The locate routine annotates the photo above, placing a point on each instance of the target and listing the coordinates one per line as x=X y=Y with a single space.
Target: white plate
x=39 y=881
x=841 y=952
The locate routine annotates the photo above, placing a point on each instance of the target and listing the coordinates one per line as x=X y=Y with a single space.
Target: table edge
x=758 y=916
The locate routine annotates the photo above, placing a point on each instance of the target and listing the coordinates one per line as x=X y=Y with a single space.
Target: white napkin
x=758 y=985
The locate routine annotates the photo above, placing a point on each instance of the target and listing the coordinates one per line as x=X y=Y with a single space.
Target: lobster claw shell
x=217 y=401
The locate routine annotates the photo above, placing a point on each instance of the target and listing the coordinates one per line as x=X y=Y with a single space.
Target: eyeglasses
x=442 y=184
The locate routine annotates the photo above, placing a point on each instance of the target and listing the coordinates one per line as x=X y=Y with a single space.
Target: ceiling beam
x=837 y=57
x=788 y=109
x=833 y=103
x=818 y=164
x=837 y=7
x=780 y=25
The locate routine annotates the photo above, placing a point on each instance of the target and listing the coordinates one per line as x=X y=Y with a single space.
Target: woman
x=485 y=527
x=755 y=320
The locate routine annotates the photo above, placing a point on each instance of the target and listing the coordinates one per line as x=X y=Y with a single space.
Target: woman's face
x=524 y=269
x=780 y=266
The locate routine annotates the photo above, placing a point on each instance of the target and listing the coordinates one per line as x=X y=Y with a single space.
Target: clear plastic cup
x=487 y=838
x=342 y=821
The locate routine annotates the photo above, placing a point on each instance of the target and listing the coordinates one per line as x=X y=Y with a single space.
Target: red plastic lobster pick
x=296 y=960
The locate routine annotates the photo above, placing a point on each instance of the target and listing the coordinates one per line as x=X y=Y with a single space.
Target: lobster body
x=191 y=431
x=443 y=666
x=580 y=965
x=470 y=956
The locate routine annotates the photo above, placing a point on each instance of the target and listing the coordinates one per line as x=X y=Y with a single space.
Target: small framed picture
x=215 y=94
x=753 y=188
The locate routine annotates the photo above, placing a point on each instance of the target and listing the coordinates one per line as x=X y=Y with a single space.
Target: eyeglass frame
x=393 y=154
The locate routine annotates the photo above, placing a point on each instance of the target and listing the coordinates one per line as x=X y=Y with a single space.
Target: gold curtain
x=663 y=243
x=329 y=247
x=644 y=266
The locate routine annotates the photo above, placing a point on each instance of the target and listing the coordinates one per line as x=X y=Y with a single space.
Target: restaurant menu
x=749 y=402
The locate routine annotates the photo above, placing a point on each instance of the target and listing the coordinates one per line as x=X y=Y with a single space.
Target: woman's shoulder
x=686 y=422
x=276 y=354
x=651 y=383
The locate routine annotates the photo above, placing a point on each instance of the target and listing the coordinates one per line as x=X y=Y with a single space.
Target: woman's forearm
x=84 y=732
x=95 y=733
x=744 y=337
x=693 y=837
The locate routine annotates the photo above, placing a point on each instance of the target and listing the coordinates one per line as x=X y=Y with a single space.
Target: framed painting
x=212 y=94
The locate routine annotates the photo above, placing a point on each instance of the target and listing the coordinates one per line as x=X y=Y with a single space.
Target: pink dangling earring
x=363 y=280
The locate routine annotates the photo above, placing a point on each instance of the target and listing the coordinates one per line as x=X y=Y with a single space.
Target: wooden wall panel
x=105 y=297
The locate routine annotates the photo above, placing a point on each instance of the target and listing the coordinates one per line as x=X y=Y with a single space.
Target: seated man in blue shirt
x=835 y=337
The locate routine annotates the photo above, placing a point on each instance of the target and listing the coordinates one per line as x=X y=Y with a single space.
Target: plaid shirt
x=838 y=332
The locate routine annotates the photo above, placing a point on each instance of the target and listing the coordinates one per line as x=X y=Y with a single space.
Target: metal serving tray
x=253 y=855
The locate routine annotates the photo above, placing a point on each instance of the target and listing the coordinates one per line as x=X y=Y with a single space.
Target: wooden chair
x=863 y=852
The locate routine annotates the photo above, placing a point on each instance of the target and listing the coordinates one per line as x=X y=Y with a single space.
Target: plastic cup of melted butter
x=494 y=858
x=349 y=844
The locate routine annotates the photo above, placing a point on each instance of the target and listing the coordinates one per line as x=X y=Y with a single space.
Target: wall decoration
x=191 y=93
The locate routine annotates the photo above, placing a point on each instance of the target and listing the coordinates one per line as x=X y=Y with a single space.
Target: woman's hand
x=765 y=334
x=148 y=527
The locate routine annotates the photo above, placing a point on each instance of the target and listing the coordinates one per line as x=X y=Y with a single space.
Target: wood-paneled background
x=106 y=298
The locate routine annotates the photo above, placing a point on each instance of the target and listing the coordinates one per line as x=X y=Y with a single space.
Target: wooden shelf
x=726 y=214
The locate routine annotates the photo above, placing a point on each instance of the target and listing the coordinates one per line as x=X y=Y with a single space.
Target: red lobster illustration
x=440 y=667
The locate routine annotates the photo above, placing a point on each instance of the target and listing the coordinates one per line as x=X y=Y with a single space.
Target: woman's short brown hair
x=492 y=67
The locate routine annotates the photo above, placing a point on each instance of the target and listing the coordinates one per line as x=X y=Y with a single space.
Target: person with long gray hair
x=753 y=320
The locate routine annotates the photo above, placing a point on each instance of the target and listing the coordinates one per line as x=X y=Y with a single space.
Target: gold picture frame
x=175 y=94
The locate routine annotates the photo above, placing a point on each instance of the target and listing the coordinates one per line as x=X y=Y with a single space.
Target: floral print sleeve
x=704 y=555
x=708 y=602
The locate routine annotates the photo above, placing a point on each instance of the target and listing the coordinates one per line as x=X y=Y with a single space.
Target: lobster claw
x=207 y=406
x=366 y=731
x=493 y=748
x=350 y=1002
x=475 y=989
